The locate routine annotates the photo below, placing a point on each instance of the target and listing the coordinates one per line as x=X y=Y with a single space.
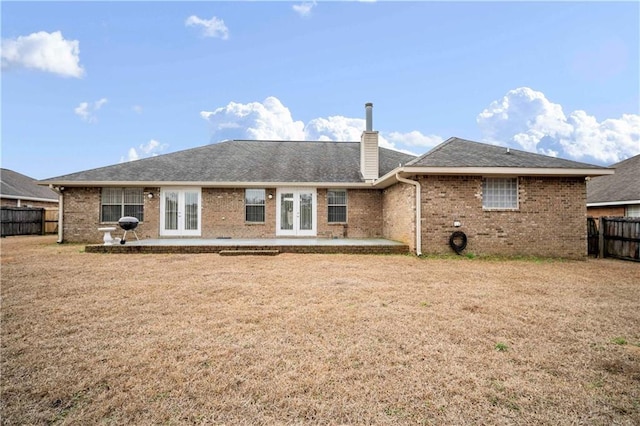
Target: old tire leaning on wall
x=458 y=241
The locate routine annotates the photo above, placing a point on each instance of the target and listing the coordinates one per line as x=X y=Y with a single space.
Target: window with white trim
x=337 y=206
x=500 y=193
x=119 y=202
x=254 y=205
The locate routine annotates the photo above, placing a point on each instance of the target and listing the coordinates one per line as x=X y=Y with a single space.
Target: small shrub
x=619 y=341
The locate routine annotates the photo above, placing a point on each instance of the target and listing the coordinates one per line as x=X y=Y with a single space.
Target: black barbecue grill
x=128 y=223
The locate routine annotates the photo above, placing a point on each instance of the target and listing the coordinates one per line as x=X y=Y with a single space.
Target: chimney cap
x=368 y=104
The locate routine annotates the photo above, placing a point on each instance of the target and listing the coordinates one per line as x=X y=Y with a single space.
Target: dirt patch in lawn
x=314 y=339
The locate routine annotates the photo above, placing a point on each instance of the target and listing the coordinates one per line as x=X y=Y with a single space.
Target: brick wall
x=223 y=215
x=598 y=212
x=399 y=215
x=550 y=220
x=364 y=215
x=82 y=216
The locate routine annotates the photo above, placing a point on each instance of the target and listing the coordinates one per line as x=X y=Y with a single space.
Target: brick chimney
x=369 y=147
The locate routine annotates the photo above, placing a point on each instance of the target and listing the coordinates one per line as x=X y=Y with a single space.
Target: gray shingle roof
x=14 y=184
x=624 y=185
x=247 y=161
x=455 y=152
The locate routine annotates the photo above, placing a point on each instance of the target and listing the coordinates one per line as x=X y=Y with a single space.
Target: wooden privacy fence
x=619 y=237
x=28 y=221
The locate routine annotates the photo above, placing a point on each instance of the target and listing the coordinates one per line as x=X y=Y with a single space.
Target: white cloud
x=526 y=119
x=271 y=120
x=83 y=111
x=86 y=111
x=213 y=27
x=334 y=128
x=304 y=8
x=43 y=51
x=150 y=149
x=99 y=103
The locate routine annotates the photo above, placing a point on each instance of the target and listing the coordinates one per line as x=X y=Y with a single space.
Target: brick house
x=18 y=190
x=618 y=194
x=507 y=202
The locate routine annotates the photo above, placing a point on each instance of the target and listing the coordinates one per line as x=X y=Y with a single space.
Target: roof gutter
x=58 y=190
x=613 y=203
x=418 y=211
x=18 y=197
x=207 y=184
x=391 y=177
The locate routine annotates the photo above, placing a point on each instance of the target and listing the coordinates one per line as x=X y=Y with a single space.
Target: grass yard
x=315 y=339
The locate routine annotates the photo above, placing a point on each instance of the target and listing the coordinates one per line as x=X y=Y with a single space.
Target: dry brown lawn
x=315 y=339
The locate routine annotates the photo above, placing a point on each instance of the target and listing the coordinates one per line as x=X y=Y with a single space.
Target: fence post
x=601 y=237
x=43 y=221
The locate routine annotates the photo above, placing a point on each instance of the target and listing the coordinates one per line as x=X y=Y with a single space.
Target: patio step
x=249 y=252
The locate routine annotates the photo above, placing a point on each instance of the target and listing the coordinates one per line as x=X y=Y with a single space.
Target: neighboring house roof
x=246 y=162
x=619 y=188
x=456 y=152
x=15 y=186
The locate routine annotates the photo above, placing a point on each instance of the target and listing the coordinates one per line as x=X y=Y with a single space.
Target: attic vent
x=508 y=151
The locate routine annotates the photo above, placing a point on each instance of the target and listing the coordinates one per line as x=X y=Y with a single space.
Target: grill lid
x=128 y=222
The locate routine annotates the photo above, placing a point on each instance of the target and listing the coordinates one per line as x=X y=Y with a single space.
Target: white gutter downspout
x=60 y=212
x=418 y=212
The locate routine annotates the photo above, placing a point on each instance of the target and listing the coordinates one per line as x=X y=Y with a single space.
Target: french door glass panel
x=306 y=211
x=286 y=212
x=171 y=210
x=191 y=207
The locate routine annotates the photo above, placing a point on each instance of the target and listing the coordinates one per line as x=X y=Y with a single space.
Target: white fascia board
x=210 y=184
x=613 y=203
x=17 y=197
x=389 y=179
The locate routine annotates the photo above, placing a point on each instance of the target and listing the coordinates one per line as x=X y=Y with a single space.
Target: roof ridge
x=432 y=150
x=634 y=158
x=281 y=141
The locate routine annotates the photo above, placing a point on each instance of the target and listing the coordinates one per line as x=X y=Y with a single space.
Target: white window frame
x=632 y=210
x=181 y=211
x=346 y=210
x=263 y=205
x=500 y=193
x=121 y=202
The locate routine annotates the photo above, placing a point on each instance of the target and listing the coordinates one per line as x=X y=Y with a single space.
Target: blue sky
x=88 y=84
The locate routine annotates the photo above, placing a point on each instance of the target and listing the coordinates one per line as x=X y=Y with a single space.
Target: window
x=633 y=210
x=120 y=202
x=500 y=193
x=254 y=205
x=337 y=205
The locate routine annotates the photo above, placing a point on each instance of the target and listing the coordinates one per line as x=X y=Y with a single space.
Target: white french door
x=180 y=212
x=296 y=212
